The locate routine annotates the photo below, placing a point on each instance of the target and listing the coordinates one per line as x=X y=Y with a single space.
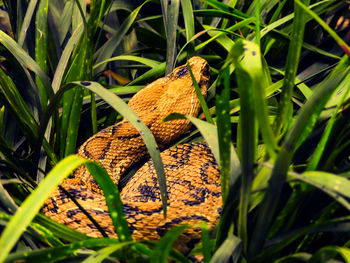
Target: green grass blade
x=32 y=204
x=171 y=16
x=114 y=203
x=66 y=54
x=252 y=65
x=327 y=182
x=230 y=249
x=26 y=22
x=188 y=17
x=41 y=39
x=163 y=247
x=283 y=120
x=19 y=107
x=206 y=245
x=222 y=102
x=101 y=254
x=59 y=230
x=146 y=61
x=247 y=134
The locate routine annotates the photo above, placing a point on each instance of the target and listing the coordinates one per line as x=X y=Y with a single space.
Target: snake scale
x=193 y=183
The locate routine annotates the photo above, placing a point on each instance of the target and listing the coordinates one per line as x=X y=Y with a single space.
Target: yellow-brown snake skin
x=193 y=183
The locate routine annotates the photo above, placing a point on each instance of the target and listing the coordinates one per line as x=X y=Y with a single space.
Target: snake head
x=181 y=81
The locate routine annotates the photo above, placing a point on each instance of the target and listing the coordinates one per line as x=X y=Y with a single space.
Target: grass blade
x=101 y=254
x=26 y=22
x=222 y=102
x=200 y=96
x=114 y=203
x=247 y=135
x=229 y=251
x=171 y=21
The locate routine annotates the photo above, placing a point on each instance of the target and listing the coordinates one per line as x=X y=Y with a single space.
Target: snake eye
x=182 y=72
x=206 y=70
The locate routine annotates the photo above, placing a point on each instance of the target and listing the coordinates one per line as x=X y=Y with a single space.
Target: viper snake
x=192 y=175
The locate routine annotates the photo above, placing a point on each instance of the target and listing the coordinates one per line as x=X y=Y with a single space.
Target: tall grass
x=276 y=118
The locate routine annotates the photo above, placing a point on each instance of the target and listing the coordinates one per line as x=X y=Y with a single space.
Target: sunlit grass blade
x=26 y=22
x=229 y=251
x=30 y=207
x=336 y=186
x=303 y=257
x=252 y=65
x=162 y=249
x=59 y=230
x=283 y=121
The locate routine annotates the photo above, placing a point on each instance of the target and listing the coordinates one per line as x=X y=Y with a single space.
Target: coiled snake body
x=193 y=183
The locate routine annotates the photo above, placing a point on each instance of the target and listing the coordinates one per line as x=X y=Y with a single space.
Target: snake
x=192 y=174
